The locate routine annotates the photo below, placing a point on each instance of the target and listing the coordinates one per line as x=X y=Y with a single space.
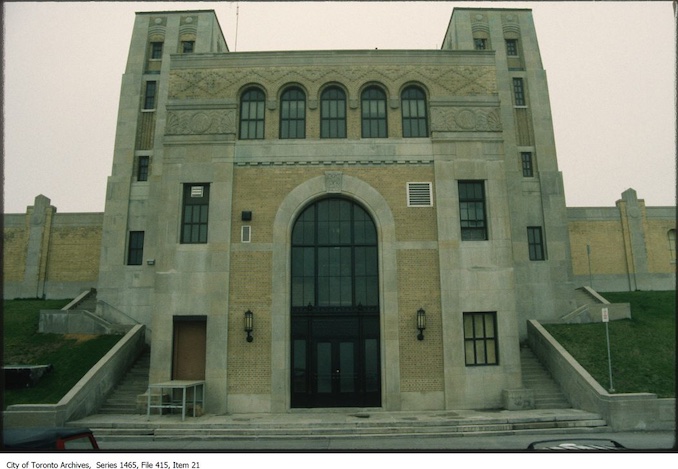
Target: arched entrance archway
x=335 y=307
x=334 y=183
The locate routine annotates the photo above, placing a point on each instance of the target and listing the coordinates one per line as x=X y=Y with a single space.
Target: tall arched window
x=293 y=114
x=413 y=105
x=334 y=329
x=252 y=114
x=374 y=113
x=333 y=113
x=334 y=257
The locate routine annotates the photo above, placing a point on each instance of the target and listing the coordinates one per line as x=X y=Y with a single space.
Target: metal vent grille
x=419 y=194
x=197 y=191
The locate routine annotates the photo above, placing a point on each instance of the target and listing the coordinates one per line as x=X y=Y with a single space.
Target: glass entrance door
x=336 y=363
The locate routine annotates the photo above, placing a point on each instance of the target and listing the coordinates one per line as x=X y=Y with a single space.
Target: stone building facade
x=387 y=219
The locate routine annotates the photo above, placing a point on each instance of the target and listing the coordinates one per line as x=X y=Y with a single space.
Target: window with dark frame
x=195 y=211
x=135 y=250
x=334 y=258
x=512 y=47
x=149 y=95
x=333 y=113
x=156 y=50
x=187 y=47
x=535 y=243
x=480 y=43
x=142 y=168
x=252 y=111
x=293 y=114
x=374 y=113
x=526 y=162
x=472 y=211
x=413 y=108
x=518 y=92
x=481 y=346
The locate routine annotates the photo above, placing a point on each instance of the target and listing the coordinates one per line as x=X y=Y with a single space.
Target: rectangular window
x=512 y=47
x=480 y=339
x=518 y=92
x=187 y=47
x=472 y=211
x=535 y=243
x=156 y=50
x=526 y=162
x=142 y=168
x=149 y=95
x=480 y=44
x=194 y=213
x=246 y=234
x=135 y=250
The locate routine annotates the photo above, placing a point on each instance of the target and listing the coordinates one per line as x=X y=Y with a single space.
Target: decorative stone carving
x=460 y=80
x=200 y=122
x=466 y=119
x=333 y=181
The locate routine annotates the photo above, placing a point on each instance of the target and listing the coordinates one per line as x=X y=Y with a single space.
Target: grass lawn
x=643 y=349
x=71 y=355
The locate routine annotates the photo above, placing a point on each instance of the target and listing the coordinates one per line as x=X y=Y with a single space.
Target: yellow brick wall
x=421 y=362
x=14 y=246
x=260 y=189
x=249 y=363
x=607 y=247
x=74 y=254
x=657 y=241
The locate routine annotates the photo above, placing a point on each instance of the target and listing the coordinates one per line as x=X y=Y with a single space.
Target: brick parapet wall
x=50 y=254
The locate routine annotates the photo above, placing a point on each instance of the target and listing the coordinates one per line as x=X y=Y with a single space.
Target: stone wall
x=50 y=255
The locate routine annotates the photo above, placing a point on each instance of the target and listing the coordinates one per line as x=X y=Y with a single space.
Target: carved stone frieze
x=440 y=79
x=465 y=119
x=200 y=122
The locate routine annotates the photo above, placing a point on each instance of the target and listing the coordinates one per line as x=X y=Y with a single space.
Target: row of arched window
x=374 y=122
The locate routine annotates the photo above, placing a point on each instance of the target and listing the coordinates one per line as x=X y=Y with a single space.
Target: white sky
x=611 y=71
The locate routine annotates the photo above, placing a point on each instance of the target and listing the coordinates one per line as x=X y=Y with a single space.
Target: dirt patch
x=80 y=338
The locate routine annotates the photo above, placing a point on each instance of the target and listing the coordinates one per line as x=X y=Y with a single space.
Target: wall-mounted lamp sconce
x=249 y=325
x=421 y=323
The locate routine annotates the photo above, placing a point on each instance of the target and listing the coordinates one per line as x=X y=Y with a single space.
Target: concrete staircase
x=123 y=399
x=547 y=393
x=351 y=424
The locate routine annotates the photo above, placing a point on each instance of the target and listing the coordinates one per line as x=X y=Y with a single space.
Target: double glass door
x=335 y=362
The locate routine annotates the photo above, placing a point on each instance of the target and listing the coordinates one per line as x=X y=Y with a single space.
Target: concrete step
x=301 y=426
x=547 y=392
x=123 y=399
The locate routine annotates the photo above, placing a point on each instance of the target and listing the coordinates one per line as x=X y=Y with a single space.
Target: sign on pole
x=606 y=320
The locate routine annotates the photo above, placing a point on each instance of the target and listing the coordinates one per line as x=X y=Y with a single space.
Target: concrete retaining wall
x=623 y=412
x=88 y=394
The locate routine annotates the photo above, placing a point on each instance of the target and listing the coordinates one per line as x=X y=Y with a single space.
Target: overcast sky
x=610 y=67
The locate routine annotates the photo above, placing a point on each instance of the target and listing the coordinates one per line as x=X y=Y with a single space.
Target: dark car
x=576 y=444
x=57 y=438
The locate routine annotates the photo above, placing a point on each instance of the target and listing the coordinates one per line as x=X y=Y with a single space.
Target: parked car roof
x=576 y=444
x=39 y=437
